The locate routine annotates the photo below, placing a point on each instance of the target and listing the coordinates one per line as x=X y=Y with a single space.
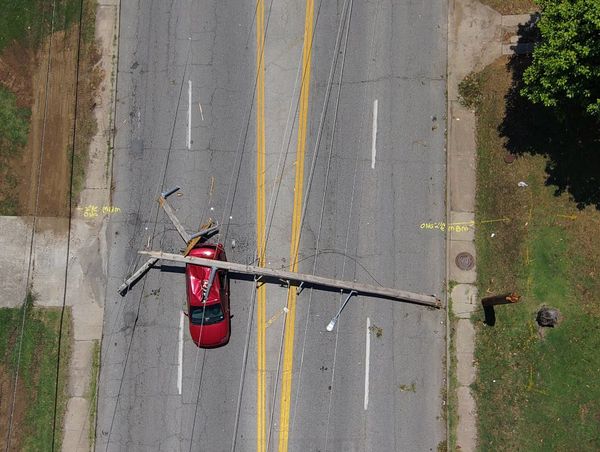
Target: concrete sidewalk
x=87 y=263
x=475 y=39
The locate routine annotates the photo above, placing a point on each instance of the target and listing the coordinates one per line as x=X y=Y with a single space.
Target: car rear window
x=206 y=315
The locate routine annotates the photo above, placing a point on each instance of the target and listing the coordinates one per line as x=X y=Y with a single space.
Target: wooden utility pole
x=162 y=201
x=292 y=278
x=507 y=298
x=133 y=278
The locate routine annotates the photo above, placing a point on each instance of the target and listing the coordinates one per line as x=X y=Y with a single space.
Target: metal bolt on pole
x=335 y=318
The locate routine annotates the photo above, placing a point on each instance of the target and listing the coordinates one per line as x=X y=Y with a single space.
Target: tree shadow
x=569 y=140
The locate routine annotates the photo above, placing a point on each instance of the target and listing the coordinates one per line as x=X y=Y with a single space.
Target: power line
x=235 y=176
x=64 y=301
x=311 y=173
x=330 y=404
x=164 y=172
x=34 y=223
x=326 y=182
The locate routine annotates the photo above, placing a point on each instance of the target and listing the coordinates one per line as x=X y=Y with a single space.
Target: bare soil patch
x=50 y=137
x=24 y=72
x=46 y=82
x=512 y=6
x=6 y=397
x=15 y=64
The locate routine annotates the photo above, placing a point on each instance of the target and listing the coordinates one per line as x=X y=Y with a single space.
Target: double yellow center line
x=286 y=384
x=290 y=320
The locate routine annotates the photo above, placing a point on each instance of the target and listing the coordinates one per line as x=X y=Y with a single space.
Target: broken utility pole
x=292 y=278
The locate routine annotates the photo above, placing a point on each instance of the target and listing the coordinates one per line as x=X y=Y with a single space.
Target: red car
x=209 y=319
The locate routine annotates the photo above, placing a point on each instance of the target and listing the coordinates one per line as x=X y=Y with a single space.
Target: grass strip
x=92 y=395
x=90 y=76
x=37 y=371
x=452 y=399
x=14 y=129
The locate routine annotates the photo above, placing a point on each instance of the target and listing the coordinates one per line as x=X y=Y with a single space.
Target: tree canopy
x=565 y=71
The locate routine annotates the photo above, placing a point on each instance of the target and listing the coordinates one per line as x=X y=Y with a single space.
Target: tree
x=565 y=72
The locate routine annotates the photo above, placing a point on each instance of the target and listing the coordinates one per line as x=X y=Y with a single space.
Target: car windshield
x=206 y=315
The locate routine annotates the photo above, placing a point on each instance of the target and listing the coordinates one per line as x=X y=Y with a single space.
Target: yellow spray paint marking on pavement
x=570 y=217
x=290 y=319
x=504 y=220
x=275 y=317
x=93 y=211
x=261 y=351
x=463 y=226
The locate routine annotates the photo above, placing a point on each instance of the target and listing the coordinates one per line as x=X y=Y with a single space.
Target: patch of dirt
x=49 y=144
x=512 y=6
x=6 y=397
x=15 y=64
x=45 y=82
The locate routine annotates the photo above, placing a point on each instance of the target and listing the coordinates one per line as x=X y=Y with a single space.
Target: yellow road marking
x=261 y=351
x=290 y=320
x=275 y=317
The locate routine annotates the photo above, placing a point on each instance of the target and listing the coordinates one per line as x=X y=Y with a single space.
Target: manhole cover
x=465 y=261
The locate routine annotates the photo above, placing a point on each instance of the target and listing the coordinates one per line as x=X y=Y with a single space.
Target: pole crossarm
x=298 y=278
x=171 y=214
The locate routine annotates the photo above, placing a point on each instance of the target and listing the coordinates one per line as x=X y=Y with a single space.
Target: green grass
x=92 y=392
x=14 y=129
x=546 y=392
x=452 y=400
x=79 y=165
x=9 y=205
x=37 y=369
x=29 y=21
x=536 y=389
x=14 y=124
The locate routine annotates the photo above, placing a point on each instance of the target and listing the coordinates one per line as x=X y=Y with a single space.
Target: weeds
x=376 y=330
x=469 y=90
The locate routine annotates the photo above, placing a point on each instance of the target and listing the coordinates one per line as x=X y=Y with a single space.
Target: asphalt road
x=374 y=204
x=163 y=46
x=365 y=205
